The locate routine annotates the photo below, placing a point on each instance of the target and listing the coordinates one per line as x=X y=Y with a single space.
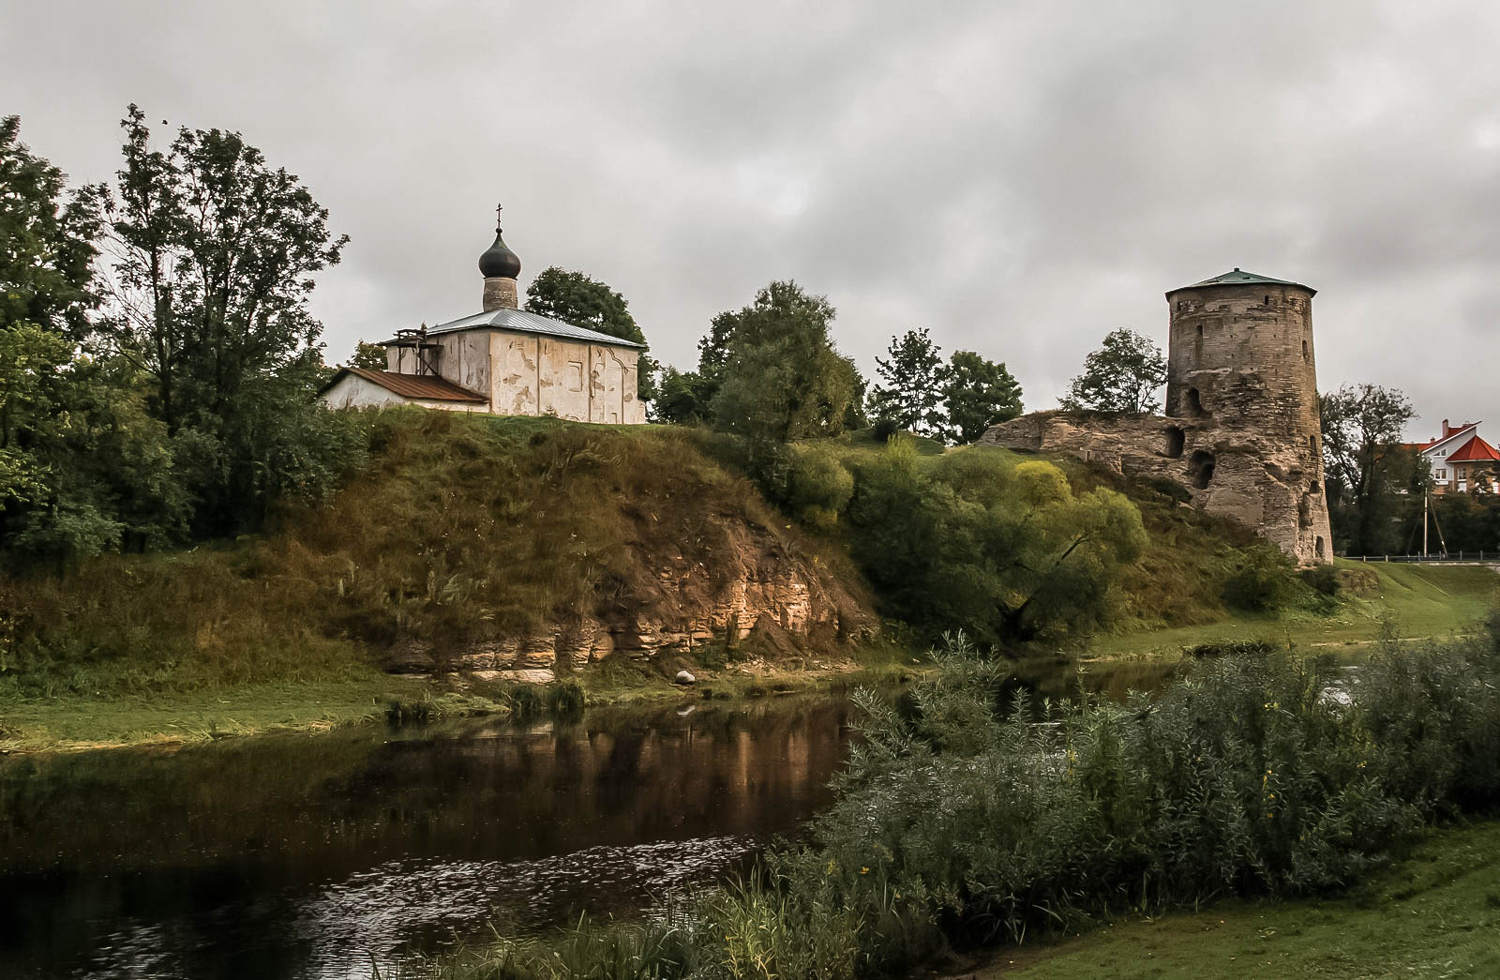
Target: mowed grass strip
x=1419 y=601
x=1434 y=915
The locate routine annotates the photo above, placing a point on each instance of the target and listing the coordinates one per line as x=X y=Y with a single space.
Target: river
x=316 y=856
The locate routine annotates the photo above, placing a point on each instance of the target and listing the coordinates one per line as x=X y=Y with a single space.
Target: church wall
x=612 y=377
x=514 y=356
x=462 y=357
x=563 y=378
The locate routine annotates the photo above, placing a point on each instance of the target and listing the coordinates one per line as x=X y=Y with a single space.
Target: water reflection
x=314 y=856
x=295 y=857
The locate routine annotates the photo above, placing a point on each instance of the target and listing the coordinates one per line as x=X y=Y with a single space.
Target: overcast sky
x=1020 y=178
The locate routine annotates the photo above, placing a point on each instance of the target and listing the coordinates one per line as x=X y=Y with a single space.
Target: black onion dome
x=499 y=261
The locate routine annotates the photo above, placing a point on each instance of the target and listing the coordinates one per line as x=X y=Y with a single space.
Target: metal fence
x=1467 y=557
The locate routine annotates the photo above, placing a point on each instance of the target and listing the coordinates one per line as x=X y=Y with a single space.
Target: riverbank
x=1432 y=602
x=1434 y=914
x=363 y=697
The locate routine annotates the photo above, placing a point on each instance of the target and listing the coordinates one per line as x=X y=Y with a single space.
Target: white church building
x=501 y=361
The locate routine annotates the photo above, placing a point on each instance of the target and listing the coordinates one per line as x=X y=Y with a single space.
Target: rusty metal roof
x=1238 y=278
x=412 y=385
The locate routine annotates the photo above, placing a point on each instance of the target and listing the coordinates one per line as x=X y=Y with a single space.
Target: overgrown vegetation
x=462 y=531
x=163 y=392
x=961 y=822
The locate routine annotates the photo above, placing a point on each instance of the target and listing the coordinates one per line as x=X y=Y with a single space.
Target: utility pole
x=1425 y=495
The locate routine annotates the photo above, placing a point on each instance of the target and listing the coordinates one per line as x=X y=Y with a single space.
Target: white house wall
x=352 y=391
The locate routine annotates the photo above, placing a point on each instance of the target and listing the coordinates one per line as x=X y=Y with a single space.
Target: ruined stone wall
x=1260 y=479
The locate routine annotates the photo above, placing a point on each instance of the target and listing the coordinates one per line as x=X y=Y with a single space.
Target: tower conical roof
x=1238 y=277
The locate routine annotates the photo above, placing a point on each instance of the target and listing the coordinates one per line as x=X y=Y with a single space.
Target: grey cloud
x=1018 y=177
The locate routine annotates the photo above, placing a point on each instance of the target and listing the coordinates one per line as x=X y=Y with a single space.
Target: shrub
x=1264 y=580
x=1230 y=648
x=974 y=540
x=818 y=487
x=565 y=698
x=1324 y=580
x=885 y=427
x=960 y=820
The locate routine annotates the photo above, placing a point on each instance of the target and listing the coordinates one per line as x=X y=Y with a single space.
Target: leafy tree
x=1123 y=375
x=1364 y=465
x=584 y=301
x=681 y=397
x=213 y=257
x=978 y=393
x=368 y=356
x=46 y=243
x=783 y=379
x=1005 y=551
x=83 y=469
x=912 y=392
x=686 y=397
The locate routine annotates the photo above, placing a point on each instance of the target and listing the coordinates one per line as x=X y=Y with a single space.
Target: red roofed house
x=1461 y=461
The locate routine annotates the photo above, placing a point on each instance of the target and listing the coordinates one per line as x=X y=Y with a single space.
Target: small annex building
x=501 y=361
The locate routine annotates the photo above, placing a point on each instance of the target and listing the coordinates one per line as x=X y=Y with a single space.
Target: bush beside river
x=964 y=822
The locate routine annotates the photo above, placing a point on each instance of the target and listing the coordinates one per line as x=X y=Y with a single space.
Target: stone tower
x=1241 y=378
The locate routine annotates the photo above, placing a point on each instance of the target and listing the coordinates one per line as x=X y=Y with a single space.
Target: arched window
x=1201 y=468
x=1175 y=441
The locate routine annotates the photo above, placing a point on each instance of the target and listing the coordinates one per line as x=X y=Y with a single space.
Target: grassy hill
x=459 y=532
x=466 y=533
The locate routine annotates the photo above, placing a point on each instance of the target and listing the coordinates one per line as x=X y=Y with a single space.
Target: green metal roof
x=1240 y=278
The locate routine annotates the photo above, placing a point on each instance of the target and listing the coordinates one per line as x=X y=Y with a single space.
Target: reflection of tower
x=1241 y=359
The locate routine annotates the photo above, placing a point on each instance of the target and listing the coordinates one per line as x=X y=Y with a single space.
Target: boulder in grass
x=684 y=677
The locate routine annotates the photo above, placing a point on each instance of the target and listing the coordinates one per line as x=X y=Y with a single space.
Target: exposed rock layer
x=757 y=586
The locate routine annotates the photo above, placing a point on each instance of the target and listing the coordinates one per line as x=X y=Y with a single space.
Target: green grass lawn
x=77 y=722
x=1418 y=600
x=1435 y=915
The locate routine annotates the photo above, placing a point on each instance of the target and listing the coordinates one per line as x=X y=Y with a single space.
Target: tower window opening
x=1200 y=331
x=1175 y=441
x=1319 y=547
x=1304 y=350
x=1312 y=444
x=1201 y=468
x=1268 y=301
x=1194 y=402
